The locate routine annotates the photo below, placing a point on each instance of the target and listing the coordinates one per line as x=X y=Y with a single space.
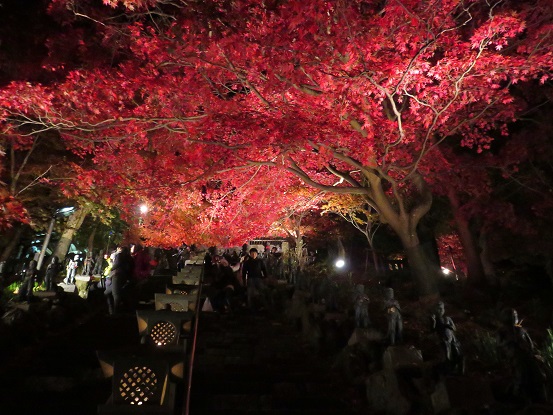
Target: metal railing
x=186 y=406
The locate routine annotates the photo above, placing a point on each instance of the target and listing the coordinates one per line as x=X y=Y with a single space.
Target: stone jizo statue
x=525 y=362
x=393 y=314
x=361 y=305
x=445 y=329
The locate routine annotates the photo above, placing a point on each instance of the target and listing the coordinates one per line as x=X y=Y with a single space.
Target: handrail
x=186 y=407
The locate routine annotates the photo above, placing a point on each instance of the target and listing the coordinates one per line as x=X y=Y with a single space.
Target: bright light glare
x=445 y=271
x=340 y=263
x=143 y=208
x=66 y=209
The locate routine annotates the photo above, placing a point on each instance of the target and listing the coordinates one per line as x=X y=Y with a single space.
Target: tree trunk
x=369 y=236
x=475 y=269
x=73 y=224
x=90 y=242
x=404 y=218
x=400 y=204
x=424 y=272
x=377 y=263
x=298 y=251
x=489 y=269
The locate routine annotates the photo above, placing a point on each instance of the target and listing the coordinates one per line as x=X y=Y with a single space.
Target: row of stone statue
x=391 y=308
x=514 y=341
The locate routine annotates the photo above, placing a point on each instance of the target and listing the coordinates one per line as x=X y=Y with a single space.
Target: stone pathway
x=249 y=364
x=245 y=364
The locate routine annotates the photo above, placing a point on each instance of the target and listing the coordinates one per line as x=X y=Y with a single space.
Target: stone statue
x=99 y=263
x=88 y=265
x=528 y=376
x=361 y=305
x=51 y=273
x=445 y=329
x=72 y=266
x=393 y=314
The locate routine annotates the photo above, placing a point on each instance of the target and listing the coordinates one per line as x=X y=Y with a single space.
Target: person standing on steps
x=254 y=272
x=119 y=276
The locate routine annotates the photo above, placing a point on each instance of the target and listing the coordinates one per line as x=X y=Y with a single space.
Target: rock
x=311 y=329
x=45 y=295
x=25 y=327
x=394 y=389
x=452 y=393
x=339 y=318
x=399 y=357
x=352 y=363
x=298 y=305
x=364 y=336
x=74 y=305
x=317 y=310
x=15 y=314
x=81 y=284
x=384 y=394
x=57 y=317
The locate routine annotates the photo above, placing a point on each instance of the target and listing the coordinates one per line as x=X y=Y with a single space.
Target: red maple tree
x=352 y=97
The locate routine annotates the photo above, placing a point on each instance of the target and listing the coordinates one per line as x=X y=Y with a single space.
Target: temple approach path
x=253 y=364
x=245 y=364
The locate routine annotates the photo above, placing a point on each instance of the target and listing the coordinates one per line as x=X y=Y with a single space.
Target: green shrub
x=12 y=289
x=8 y=293
x=39 y=287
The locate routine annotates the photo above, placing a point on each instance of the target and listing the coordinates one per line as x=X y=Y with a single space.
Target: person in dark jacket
x=142 y=269
x=141 y=265
x=119 y=277
x=226 y=286
x=254 y=272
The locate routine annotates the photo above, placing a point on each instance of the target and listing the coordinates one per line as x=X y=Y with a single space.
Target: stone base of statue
x=395 y=388
x=456 y=392
x=363 y=336
x=81 y=284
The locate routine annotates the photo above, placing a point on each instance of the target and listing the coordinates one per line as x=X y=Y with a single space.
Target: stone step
x=274 y=411
x=232 y=381
x=248 y=372
x=264 y=402
x=256 y=365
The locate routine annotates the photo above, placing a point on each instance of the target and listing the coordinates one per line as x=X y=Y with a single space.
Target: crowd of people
x=240 y=279
x=125 y=273
x=120 y=275
x=236 y=279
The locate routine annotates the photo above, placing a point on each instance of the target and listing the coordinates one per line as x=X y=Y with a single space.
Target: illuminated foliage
x=352 y=97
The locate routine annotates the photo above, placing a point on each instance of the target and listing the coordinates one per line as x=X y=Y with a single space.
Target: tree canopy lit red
x=209 y=111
